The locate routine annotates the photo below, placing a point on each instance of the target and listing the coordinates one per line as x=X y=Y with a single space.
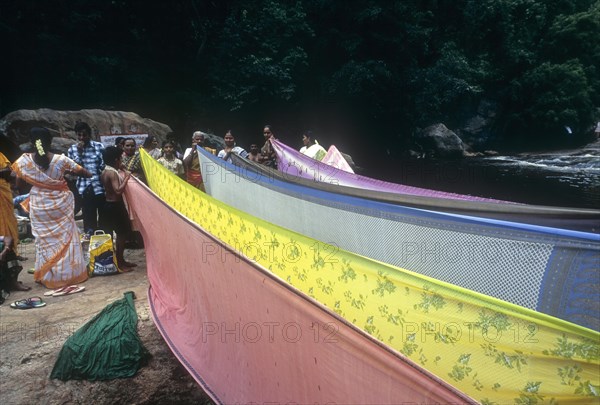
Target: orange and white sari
x=59 y=258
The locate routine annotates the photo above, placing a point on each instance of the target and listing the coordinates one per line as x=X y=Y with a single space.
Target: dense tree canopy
x=383 y=68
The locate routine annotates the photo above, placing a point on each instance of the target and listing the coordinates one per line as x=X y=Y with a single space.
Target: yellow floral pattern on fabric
x=495 y=352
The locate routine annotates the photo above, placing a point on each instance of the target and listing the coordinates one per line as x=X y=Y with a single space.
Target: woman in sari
x=9 y=152
x=58 y=258
x=131 y=161
x=8 y=225
x=191 y=162
x=9 y=234
x=151 y=146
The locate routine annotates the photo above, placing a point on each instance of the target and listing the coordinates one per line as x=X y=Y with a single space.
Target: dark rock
x=59 y=145
x=214 y=141
x=439 y=141
x=16 y=125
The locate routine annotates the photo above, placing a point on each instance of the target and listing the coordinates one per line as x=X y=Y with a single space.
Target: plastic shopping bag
x=103 y=260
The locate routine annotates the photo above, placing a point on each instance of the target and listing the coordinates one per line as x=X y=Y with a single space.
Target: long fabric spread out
x=58 y=254
x=248 y=337
x=549 y=270
x=106 y=347
x=576 y=219
x=491 y=350
x=293 y=163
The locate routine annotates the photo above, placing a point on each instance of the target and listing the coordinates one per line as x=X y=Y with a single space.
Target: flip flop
x=52 y=292
x=28 y=303
x=72 y=289
x=31 y=270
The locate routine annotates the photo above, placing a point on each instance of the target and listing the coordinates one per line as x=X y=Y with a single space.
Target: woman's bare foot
x=124 y=267
x=123 y=263
x=19 y=286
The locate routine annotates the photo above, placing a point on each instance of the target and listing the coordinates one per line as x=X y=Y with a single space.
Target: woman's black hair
x=148 y=141
x=119 y=140
x=169 y=142
x=309 y=135
x=41 y=139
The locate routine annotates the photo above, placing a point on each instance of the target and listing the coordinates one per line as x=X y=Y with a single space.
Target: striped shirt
x=91 y=159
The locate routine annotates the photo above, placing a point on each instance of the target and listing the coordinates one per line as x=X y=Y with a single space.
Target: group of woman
x=191 y=161
x=59 y=258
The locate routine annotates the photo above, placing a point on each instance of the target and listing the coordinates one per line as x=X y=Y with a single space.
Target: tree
x=260 y=53
x=549 y=98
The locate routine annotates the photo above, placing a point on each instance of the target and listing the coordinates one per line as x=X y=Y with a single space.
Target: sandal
x=28 y=303
x=52 y=292
x=72 y=289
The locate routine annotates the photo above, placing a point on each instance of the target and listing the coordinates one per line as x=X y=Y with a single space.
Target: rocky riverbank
x=31 y=340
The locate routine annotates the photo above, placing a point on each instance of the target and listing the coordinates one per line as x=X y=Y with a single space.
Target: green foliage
x=379 y=63
x=260 y=54
x=551 y=96
x=451 y=80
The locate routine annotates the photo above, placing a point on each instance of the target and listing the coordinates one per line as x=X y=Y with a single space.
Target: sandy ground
x=30 y=341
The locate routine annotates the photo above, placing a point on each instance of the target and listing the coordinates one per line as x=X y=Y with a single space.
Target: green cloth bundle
x=105 y=348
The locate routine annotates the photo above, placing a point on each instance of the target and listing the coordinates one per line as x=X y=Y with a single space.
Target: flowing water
x=563 y=178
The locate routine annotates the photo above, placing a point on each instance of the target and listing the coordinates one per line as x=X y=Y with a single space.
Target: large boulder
x=438 y=141
x=16 y=125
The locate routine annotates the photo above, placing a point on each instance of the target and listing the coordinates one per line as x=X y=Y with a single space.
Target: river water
x=562 y=178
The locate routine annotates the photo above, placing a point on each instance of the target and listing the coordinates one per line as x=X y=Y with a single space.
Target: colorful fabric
x=549 y=270
x=132 y=163
x=249 y=338
x=237 y=150
x=335 y=158
x=268 y=153
x=575 y=219
x=491 y=350
x=8 y=225
x=105 y=348
x=315 y=151
x=155 y=153
x=59 y=257
x=90 y=159
x=193 y=174
x=174 y=165
x=293 y=163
